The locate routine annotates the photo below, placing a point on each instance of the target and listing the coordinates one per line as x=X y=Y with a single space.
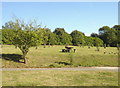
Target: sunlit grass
x=45 y=57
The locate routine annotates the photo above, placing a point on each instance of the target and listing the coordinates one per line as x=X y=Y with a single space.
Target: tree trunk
x=36 y=47
x=24 y=49
x=16 y=46
x=98 y=48
x=25 y=61
x=49 y=44
x=104 y=46
x=44 y=45
x=88 y=47
x=118 y=47
x=23 y=56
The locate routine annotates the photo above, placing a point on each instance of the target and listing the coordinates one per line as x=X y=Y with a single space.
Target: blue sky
x=86 y=17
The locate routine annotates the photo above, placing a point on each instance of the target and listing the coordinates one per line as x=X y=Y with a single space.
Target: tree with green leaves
x=88 y=41
x=97 y=42
x=7 y=36
x=24 y=36
x=108 y=35
x=77 y=37
x=59 y=31
x=64 y=37
x=45 y=34
x=94 y=35
x=53 y=39
x=117 y=29
x=0 y=36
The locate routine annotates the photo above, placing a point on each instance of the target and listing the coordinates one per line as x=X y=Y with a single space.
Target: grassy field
x=52 y=57
x=59 y=78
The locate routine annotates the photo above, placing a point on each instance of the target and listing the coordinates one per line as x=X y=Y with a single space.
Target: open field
x=52 y=57
x=59 y=78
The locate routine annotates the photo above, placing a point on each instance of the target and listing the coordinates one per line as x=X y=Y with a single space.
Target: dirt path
x=66 y=69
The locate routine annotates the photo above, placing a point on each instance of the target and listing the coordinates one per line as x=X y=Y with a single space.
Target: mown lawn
x=59 y=78
x=52 y=57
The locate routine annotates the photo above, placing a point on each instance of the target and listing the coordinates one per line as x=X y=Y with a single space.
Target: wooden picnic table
x=68 y=47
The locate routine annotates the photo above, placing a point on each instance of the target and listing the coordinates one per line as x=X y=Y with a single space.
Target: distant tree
x=93 y=41
x=89 y=41
x=77 y=37
x=107 y=34
x=7 y=31
x=0 y=36
x=53 y=39
x=45 y=34
x=59 y=31
x=64 y=37
x=94 y=35
x=97 y=42
x=117 y=29
x=7 y=36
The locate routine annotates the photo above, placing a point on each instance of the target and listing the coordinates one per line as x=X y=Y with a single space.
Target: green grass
x=52 y=57
x=59 y=78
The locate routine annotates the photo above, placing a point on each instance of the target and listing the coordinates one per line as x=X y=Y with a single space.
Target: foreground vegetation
x=60 y=78
x=52 y=57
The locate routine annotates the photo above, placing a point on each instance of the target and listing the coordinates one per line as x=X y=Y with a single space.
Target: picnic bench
x=68 y=49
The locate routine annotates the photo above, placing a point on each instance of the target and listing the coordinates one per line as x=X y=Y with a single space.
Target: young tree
x=24 y=36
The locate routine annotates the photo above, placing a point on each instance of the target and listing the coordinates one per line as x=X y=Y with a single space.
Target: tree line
x=25 y=35
x=107 y=36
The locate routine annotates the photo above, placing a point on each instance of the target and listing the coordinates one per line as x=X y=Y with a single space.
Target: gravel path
x=66 y=69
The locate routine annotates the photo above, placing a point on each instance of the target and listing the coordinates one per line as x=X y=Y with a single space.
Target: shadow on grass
x=65 y=63
x=12 y=57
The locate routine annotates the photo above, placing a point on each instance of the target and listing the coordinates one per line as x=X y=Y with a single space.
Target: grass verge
x=60 y=78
